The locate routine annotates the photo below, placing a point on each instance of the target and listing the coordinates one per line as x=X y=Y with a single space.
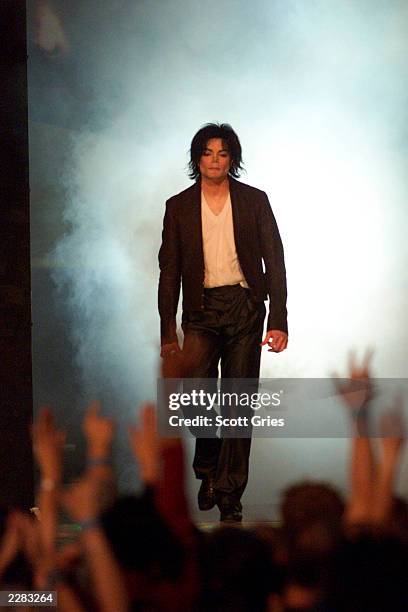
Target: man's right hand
x=169 y=350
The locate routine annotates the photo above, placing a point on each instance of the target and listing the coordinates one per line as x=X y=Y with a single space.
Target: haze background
x=317 y=92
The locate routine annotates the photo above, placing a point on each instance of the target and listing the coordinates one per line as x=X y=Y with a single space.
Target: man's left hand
x=276 y=340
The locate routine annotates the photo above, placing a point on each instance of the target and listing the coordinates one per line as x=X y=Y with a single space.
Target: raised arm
x=392 y=443
x=161 y=465
x=357 y=398
x=99 y=432
x=48 y=444
x=81 y=501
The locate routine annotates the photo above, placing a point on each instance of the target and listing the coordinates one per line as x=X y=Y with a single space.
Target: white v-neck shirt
x=220 y=255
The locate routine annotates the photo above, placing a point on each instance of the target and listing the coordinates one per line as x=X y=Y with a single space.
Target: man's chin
x=216 y=176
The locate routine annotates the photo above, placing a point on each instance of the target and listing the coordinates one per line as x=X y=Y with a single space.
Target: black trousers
x=226 y=332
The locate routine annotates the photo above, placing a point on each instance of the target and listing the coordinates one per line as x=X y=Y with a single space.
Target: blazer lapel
x=196 y=229
x=240 y=212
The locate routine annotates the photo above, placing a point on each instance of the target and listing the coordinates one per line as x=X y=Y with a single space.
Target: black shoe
x=206 y=494
x=231 y=511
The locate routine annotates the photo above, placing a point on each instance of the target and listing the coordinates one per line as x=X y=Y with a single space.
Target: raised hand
x=145 y=443
x=355 y=396
x=48 y=444
x=98 y=430
x=49 y=31
x=356 y=392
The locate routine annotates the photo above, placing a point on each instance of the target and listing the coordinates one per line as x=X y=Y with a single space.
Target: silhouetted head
x=370 y=574
x=307 y=503
x=237 y=572
x=141 y=539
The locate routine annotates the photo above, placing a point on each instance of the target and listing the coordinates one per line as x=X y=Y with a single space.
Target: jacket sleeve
x=273 y=256
x=170 y=275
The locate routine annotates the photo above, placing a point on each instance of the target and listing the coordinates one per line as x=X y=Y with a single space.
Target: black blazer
x=181 y=257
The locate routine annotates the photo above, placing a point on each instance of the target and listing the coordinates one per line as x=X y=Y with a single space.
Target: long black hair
x=230 y=141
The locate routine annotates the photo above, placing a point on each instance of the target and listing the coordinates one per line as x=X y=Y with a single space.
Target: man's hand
x=276 y=340
x=169 y=350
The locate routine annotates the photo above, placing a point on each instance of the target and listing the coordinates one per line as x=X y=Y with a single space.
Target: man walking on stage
x=218 y=237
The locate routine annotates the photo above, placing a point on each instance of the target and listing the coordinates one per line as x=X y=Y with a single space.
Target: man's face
x=215 y=161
